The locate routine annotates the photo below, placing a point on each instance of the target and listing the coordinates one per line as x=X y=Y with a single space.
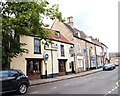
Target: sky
x=97 y=18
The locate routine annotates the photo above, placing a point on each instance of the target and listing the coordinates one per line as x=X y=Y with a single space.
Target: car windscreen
x=108 y=65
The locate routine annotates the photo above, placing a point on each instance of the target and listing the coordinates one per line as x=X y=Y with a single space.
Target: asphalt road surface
x=103 y=82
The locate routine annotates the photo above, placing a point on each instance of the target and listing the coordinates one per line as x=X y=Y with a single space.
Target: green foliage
x=24 y=18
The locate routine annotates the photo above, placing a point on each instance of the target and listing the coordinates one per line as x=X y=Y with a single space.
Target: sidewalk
x=43 y=81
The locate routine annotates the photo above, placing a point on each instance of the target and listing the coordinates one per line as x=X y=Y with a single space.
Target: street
x=103 y=82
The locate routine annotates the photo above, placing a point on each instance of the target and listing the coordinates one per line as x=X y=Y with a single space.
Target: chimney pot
x=70 y=21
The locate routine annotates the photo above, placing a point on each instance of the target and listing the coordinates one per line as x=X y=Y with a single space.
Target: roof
x=75 y=31
x=96 y=42
x=61 y=38
x=104 y=45
x=82 y=34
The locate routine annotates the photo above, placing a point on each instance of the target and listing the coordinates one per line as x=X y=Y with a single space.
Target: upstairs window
x=79 y=47
x=57 y=34
x=71 y=51
x=62 y=50
x=37 y=46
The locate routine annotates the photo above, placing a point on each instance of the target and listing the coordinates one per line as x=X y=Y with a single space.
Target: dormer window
x=78 y=34
x=57 y=34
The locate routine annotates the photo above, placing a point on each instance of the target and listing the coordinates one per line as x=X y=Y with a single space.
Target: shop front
x=34 y=68
x=93 y=63
x=62 y=67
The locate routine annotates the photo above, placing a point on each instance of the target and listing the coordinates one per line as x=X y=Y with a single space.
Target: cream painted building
x=76 y=37
x=44 y=61
x=87 y=51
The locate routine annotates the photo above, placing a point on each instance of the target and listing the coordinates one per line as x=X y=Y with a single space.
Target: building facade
x=74 y=36
x=88 y=51
x=45 y=61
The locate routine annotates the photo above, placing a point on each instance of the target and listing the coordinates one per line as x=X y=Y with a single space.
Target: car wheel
x=22 y=88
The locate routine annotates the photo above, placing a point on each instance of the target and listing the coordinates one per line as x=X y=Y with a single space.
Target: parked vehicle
x=13 y=80
x=116 y=64
x=108 y=67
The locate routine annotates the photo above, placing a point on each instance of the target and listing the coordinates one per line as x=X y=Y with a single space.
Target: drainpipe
x=86 y=57
x=74 y=60
x=52 y=60
x=96 y=57
x=90 y=57
x=45 y=69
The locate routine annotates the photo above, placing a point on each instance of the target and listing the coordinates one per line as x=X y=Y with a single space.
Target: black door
x=72 y=64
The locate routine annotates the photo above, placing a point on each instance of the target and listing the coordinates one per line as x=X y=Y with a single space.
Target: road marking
x=54 y=87
x=111 y=90
x=66 y=84
x=117 y=83
x=34 y=92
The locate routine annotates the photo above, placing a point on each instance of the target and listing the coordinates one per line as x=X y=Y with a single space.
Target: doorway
x=72 y=65
x=34 y=69
x=62 y=67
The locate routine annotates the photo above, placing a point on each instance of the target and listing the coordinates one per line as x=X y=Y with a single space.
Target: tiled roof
x=96 y=42
x=61 y=38
x=82 y=34
x=76 y=31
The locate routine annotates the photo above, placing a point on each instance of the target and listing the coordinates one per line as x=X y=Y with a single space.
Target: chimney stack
x=70 y=21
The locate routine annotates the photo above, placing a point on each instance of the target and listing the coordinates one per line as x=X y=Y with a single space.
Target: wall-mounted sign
x=85 y=50
x=46 y=56
x=93 y=58
x=51 y=47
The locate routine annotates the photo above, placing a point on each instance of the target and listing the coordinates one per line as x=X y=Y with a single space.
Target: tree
x=24 y=18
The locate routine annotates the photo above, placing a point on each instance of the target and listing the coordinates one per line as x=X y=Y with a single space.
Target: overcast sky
x=98 y=18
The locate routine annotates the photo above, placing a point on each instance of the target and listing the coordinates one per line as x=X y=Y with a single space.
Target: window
x=33 y=67
x=79 y=47
x=80 y=63
x=62 y=50
x=37 y=46
x=78 y=34
x=57 y=33
x=3 y=74
x=71 y=51
x=13 y=73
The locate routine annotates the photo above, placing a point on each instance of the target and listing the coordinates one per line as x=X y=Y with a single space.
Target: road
x=103 y=82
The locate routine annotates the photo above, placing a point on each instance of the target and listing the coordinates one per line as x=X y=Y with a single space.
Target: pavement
x=59 y=78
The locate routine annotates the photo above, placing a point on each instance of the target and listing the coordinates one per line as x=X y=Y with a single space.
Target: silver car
x=108 y=67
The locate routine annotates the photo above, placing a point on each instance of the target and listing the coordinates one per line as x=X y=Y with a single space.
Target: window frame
x=62 y=50
x=35 y=52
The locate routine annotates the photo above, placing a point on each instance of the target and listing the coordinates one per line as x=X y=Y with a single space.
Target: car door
x=4 y=76
x=12 y=82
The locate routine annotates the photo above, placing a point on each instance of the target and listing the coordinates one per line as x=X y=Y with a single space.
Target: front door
x=34 y=69
x=62 y=67
x=72 y=64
